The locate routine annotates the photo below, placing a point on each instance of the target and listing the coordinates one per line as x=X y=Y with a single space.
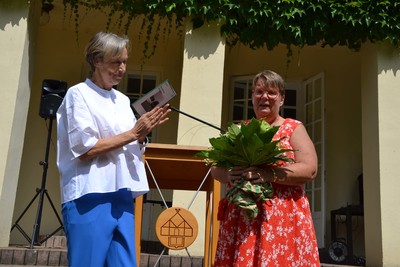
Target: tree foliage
x=267 y=23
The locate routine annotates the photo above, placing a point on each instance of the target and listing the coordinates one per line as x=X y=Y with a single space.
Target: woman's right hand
x=149 y=120
x=224 y=175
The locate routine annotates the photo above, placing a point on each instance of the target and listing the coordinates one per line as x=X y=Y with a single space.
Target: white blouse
x=87 y=114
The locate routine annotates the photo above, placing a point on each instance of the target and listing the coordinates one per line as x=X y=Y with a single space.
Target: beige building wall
x=380 y=76
x=201 y=97
x=14 y=65
x=389 y=118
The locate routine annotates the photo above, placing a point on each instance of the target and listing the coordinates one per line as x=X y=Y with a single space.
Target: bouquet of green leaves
x=246 y=145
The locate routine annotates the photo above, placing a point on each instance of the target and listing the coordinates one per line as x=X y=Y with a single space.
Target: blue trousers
x=100 y=230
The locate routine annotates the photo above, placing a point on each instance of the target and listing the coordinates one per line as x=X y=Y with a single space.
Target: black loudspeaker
x=53 y=92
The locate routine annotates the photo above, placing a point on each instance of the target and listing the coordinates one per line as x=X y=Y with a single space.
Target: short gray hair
x=104 y=46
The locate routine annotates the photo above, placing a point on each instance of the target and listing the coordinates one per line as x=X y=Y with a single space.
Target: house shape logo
x=176 y=228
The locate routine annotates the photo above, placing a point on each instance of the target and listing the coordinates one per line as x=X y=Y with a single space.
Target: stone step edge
x=35 y=256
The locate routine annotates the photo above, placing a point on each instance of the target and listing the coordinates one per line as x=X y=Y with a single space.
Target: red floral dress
x=281 y=235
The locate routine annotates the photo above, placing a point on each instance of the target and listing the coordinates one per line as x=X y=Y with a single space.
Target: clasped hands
x=254 y=174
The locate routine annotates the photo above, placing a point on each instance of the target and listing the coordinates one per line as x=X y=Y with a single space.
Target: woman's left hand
x=256 y=175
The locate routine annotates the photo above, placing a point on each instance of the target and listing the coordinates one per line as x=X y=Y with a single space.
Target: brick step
x=35 y=256
x=53 y=252
x=7 y=265
x=42 y=256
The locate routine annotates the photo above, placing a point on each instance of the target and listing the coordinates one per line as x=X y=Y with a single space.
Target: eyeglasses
x=272 y=94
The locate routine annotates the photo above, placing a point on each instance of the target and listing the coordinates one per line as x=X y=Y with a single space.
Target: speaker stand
x=41 y=193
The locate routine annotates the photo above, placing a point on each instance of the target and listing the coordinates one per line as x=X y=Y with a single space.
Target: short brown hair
x=271 y=79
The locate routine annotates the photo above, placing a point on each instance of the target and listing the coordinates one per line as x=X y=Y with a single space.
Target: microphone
x=197 y=119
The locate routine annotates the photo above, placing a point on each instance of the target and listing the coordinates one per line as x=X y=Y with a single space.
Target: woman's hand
x=224 y=175
x=149 y=120
x=258 y=175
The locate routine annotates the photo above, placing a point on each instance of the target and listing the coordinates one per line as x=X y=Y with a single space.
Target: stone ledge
x=149 y=260
x=43 y=256
x=34 y=256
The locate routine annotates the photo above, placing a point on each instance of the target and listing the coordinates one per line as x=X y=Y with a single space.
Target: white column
x=381 y=153
x=201 y=97
x=14 y=75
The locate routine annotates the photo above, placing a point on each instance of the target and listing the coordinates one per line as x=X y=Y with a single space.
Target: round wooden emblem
x=176 y=228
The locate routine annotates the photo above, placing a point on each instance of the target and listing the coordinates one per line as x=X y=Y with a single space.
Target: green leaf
x=248 y=145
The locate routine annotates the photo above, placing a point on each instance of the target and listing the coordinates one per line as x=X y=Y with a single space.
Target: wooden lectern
x=175 y=167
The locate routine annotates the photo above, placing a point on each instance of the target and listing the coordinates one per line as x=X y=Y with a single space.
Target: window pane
x=237 y=113
x=317 y=200
x=148 y=84
x=309 y=130
x=309 y=95
x=238 y=93
x=318 y=183
x=251 y=113
x=133 y=85
x=308 y=186
x=249 y=93
x=318 y=88
x=318 y=150
x=317 y=110
x=309 y=196
x=317 y=137
x=309 y=113
x=289 y=113
x=290 y=98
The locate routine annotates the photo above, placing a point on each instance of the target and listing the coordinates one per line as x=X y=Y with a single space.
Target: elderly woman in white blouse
x=100 y=145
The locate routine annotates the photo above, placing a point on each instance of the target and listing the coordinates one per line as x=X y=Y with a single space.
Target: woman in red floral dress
x=283 y=232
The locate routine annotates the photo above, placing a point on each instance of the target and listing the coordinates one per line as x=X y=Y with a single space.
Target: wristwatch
x=144 y=143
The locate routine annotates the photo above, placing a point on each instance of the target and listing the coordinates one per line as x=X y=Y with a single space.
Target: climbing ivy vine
x=264 y=23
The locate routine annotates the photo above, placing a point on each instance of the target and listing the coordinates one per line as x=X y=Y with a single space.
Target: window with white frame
x=138 y=84
x=242 y=107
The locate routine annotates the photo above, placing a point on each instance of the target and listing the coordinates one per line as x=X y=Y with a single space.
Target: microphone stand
x=197 y=119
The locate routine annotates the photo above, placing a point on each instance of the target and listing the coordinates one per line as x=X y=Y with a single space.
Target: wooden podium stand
x=175 y=167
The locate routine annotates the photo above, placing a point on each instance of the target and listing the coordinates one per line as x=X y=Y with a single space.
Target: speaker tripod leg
x=61 y=226
x=43 y=192
x=36 y=225
x=16 y=225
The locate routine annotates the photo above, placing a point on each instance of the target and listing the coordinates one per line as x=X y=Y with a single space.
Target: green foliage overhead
x=267 y=23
